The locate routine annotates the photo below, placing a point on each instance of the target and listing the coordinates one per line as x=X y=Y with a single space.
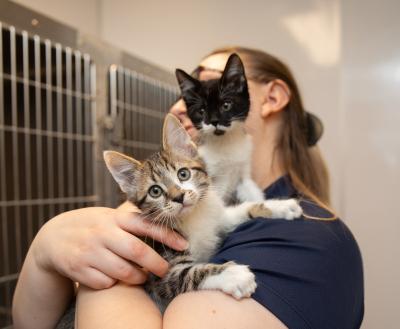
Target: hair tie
x=314 y=129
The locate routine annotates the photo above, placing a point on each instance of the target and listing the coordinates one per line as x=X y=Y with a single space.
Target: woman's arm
x=215 y=310
x=41 y=296
x=93 y=246
x=119 y=307
x=122 y=305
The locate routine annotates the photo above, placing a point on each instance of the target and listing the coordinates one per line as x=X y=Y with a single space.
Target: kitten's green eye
x=226 y=106
x=155 y=191
x=202 y=112
x=183 y=174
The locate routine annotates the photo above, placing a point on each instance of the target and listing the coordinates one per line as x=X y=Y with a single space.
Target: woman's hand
x=180 y=111
x=98 y=246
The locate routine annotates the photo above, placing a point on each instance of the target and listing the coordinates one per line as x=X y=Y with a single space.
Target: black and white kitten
x=218 y=109
x=172 y=188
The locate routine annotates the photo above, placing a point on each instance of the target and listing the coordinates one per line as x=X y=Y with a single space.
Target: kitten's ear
x=123 y=169
x=234 y=75
x=176 y=139
x=186 y=82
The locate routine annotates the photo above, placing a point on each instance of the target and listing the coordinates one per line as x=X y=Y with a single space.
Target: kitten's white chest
x=228 y=161
x=201 y=227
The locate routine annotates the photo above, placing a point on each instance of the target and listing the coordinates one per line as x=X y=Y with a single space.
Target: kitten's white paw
x=236 y=280
x=287 y=209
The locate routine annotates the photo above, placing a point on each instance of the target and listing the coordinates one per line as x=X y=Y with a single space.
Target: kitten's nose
x=214 y=122
x=214 y=119
x=179 y=198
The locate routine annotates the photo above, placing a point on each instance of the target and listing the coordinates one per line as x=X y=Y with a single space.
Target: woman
x=309 y=271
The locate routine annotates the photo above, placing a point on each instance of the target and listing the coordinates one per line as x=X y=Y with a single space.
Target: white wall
x=371 y=101
x=346 y=57
x=304 y=33
x=81 y=14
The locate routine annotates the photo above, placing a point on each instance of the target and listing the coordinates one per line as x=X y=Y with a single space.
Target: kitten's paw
x=259 y=210
x=236 y=280
x=287 y=209
x=239 y=281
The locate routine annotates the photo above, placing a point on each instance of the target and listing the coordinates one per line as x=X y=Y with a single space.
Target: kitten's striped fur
x=192 y=207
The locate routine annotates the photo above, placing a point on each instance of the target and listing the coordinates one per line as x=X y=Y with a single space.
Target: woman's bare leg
x=120 y=306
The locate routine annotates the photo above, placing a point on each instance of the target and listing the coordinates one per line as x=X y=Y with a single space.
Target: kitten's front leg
x=285 y=209
x=236 y=215
x=231 y=278
x=235 y=280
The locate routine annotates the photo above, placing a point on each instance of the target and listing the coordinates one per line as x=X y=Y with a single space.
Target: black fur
x=206 y=101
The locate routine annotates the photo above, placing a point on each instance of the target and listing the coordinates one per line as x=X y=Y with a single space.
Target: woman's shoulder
x=320 y=235
x=308 y=271
x=314 y=246
x=318 y=225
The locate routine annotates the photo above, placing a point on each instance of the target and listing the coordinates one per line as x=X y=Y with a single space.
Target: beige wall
x=304 y=33
x=81 y=14
x=371 y=101
x=346 y=57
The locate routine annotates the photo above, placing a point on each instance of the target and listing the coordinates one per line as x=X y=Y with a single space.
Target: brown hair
x=304 y=165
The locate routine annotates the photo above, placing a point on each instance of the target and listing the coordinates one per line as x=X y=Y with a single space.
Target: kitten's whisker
x=240 y=117
x=162 y=226
x=153 y=221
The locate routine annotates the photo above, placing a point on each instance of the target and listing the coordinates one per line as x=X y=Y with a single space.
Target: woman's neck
x=267 y=163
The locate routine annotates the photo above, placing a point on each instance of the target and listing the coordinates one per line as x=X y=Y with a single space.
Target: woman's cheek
x=254 y=118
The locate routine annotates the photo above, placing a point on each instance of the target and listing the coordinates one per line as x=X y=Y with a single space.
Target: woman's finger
x=117 y=268
x=94 y=278
x=178 y=108
x=137 y=225
x=132 y=248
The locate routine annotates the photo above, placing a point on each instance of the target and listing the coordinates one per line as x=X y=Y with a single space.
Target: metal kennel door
x=46 y=142
x=64 y=98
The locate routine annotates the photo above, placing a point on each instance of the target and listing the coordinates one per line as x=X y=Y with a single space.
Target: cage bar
x=69 y=125
x=138 y=103
x=50 y=136
x=79 y=114
x=15 y=153
x=49 y=125
x=4 y=224
x=89 y=120
x=59 y=115
x=27 y=144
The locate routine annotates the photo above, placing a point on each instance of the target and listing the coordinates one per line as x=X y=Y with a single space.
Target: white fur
x=235 y=280
x=210 y=216
x=287 y=209
x=228 y=160
x=201 y=225
x=247 y=190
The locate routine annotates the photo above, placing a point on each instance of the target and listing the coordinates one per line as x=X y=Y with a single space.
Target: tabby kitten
x=218 y=109
x=172 y=188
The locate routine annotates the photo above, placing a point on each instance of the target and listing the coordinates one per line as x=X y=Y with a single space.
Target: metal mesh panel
x=52 y=120
x=137 y=107
x=47 y=137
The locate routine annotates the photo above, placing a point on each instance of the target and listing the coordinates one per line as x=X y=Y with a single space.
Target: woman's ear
x=276 y=96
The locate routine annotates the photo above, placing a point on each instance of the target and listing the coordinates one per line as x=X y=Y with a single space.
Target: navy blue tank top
x=309 y=272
